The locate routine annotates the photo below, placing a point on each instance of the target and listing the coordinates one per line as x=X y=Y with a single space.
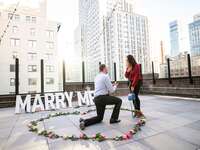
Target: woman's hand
x=129 y=69
x=132 y=88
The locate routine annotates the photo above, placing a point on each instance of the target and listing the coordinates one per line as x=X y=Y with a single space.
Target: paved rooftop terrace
x=172 y=124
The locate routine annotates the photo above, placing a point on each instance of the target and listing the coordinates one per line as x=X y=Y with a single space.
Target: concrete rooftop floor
x=172 y=124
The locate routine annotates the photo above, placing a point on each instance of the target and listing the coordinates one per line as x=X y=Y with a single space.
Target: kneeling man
x=103 y=87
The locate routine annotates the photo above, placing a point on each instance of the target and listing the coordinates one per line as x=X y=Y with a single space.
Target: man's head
x=103 y=68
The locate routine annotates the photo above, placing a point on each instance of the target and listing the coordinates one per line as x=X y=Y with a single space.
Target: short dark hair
x=101 y=67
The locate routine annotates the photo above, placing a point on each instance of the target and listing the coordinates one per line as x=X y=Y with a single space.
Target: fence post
x=169 y=73
x=83 y=74
x=16 y=76
x=115 y=72
x=42 y=75
x=189 y=69
x=64 y=75
x=153 y=76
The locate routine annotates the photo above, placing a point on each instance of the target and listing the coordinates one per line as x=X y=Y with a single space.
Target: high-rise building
x=91 y=26
x=29 y=37
x=179 y=39
x=109 y=38
x=194 y=32
x=126 y=33
x=174 y=38
x=74 y=64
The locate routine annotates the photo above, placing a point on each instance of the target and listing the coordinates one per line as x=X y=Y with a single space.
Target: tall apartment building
x=194 y=32
x=109 y=37
x=91 y=26
x=126 y=33
x=30 y=37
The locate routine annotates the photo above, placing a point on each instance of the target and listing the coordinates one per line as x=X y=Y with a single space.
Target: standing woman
x=134 y=76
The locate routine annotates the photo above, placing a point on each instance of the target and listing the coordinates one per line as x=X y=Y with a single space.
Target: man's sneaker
x=114 y=121
x=82 y=125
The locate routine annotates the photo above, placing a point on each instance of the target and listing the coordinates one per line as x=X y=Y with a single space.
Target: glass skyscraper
x=194 y=32
x=174 y=38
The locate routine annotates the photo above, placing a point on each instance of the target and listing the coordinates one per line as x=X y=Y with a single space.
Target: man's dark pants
x=101 y=102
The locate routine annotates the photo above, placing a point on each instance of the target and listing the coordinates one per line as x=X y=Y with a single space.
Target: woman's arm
x=127 y=73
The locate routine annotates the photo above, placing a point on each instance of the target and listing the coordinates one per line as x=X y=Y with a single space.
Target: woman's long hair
x=131 y=60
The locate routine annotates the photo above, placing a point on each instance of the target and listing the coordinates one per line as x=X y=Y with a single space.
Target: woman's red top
x=134 y=75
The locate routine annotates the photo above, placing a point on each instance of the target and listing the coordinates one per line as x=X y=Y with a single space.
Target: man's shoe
x=81 y=119
x=82 y=125
x=114 y=121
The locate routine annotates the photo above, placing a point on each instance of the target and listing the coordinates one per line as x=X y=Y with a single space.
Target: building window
x=49 y=80
x=32 y=68
x=48 y=56
x=14 y=42
x=12 y=81
x=28 y=18
x=14 y=29
x=12 y=68
x=32 y=31
x=49 y=68
x=13 y=17
x=32 y=56
x=32 y=43
x=32 y=81
x=33 y=19
x=49 y=45
x=17 y=17
x=50 y=33
x=9 y=15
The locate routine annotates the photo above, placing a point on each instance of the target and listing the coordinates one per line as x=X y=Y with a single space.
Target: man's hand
x=115 y=84
x=132 y=88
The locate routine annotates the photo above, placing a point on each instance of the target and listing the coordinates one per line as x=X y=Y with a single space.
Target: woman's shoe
x=139 y=114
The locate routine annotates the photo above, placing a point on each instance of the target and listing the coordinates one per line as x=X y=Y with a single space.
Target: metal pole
x=42 y=75
x=169 y=73
x=189 y=69
x=141 y=69
x=153 y=76
x=16 y=76
x=64 y=76
x=141 y=72
x=115 y=72
x=83 y=73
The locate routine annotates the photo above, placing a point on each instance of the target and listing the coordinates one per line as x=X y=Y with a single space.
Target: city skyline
x=156 y=12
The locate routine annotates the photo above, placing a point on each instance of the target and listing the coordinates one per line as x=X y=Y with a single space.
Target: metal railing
x=169 y=77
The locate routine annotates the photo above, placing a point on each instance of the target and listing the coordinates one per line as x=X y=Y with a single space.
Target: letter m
x=21 y=105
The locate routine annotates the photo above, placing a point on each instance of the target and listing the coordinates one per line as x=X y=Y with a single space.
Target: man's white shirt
x=103 y=85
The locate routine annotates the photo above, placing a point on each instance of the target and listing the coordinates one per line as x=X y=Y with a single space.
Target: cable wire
x=9 y=21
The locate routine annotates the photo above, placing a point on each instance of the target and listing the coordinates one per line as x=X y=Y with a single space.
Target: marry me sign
x=52 y=101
